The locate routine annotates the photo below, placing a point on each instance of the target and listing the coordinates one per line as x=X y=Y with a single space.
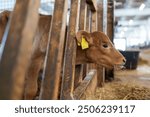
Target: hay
x=120 y=91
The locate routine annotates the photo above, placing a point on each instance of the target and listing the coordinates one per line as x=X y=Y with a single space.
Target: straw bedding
x=119 y=91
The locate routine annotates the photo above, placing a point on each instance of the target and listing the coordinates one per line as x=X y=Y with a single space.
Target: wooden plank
x=88 y=28
x=82 y=16
x=93 y=28
x=81 y=69
x=93 y=84
x=88 y=19
x=92 y=4
x=78 y=75
x=87 y=86
x=17 y=51
x=70 y=53
x=110 y=33
x=110 y=20
x=100 y=69
x=52 y=73
x=100 y=76
x=100 y=15
x=91 y=89
x=94 y=22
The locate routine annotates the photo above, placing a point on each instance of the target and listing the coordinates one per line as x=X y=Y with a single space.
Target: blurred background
x=132 y=24
x=46 y=6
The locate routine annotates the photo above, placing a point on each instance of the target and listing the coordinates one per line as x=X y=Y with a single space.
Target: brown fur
x=4 y=16
x=37 y=57
x=96 y=53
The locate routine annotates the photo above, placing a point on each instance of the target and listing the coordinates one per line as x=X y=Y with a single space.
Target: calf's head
x=4 y=16
x=97 y=48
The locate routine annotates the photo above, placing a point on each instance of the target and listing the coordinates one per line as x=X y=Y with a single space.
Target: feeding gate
x=62 y=78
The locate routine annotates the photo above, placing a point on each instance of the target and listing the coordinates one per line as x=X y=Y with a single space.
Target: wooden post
x=51 y=82
x=94 y=22
x=88 y=19
x=87 y=85
x=110 y=33
x=103 y=16
x=17 y=49
x=80 y=72
x=94 y=27
x=92 y=4
x=100 y=15
x=110 y=18
x=100 y=69
x=70 y=53
x=88 y=28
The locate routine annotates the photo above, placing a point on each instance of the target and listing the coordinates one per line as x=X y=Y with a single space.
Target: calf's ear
x=83 y=34
x=5 y=15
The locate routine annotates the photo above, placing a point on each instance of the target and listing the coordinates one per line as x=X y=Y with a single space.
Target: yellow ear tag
x=84 y=43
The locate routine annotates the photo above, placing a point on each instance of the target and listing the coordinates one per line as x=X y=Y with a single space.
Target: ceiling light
x=122 y=33
x=142 y=6
x=130 y=22
x=125 y=29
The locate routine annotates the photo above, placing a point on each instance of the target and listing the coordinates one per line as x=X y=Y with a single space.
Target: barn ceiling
x=137 y=10
x=132 y=19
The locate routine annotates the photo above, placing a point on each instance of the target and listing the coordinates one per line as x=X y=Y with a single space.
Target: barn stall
x=58 y=75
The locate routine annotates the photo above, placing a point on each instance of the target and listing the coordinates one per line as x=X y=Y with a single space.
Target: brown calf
x=92 y=47
x=100 y=51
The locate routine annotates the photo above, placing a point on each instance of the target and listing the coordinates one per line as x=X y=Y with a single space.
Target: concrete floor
x=140 y=76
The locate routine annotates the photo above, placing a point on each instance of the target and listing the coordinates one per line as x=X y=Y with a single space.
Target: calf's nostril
x=124 y=60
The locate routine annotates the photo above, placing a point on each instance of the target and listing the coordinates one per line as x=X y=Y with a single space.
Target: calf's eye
x=105 y=45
